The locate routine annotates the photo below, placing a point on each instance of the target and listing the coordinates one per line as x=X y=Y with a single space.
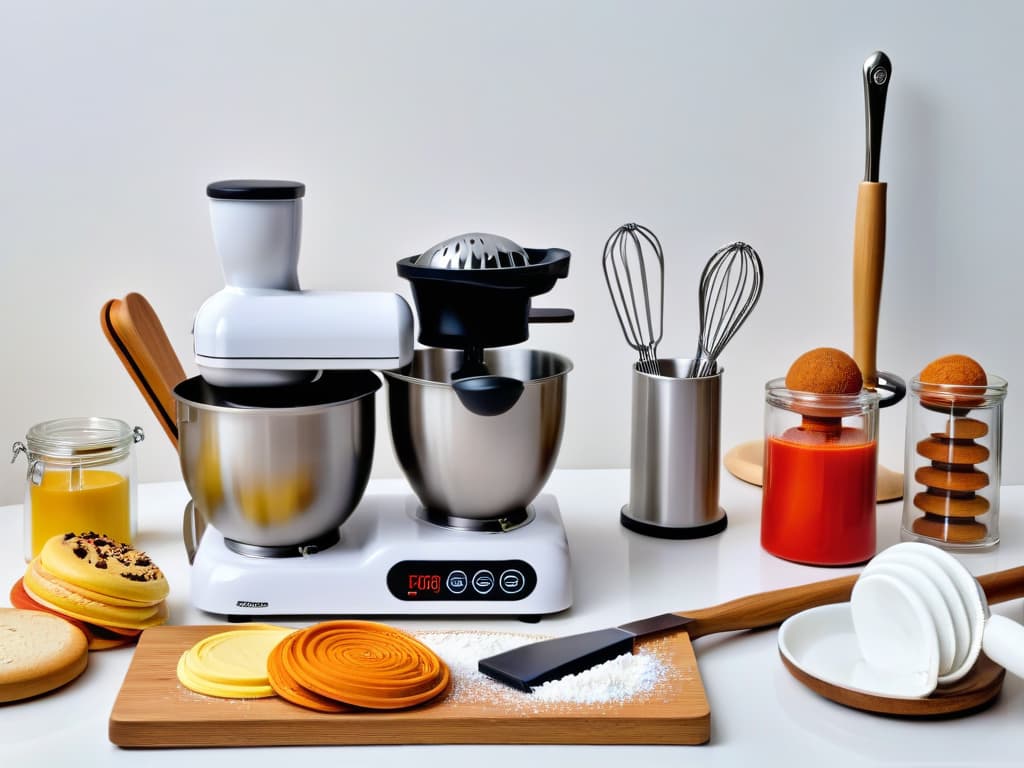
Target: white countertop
x=759 y=713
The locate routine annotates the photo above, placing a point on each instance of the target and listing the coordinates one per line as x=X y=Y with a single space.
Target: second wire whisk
x=730 y=286
x=634 y=268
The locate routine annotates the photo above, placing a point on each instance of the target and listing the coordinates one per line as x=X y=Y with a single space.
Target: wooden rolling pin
x=536 y=663
x=869 y=225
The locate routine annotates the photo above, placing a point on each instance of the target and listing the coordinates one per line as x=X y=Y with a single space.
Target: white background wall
x=548 y=122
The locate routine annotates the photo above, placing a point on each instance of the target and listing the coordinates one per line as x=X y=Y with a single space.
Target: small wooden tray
x=154 y=710
x=975 y=691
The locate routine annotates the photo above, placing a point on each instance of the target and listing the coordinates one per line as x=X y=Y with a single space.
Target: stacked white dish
x=917 y=619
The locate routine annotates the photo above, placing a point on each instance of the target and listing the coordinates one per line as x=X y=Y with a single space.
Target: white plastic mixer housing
x=290 y=330
x=391 y=562
x=261 y=329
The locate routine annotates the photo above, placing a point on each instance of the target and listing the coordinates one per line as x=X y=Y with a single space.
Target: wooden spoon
x=137 y=336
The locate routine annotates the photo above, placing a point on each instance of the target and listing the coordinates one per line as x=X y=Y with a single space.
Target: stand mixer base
x=390 y=561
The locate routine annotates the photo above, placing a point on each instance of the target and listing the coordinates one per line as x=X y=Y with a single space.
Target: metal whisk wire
x=730 y=286
x=630 y=249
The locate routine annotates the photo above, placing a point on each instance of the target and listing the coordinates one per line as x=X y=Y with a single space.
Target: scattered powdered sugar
x=618 y=679
x=627 y=678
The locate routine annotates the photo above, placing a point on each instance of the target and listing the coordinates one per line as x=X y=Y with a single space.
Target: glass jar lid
x=88 y=436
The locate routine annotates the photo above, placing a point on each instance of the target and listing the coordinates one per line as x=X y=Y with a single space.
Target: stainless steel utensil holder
x=674 y=454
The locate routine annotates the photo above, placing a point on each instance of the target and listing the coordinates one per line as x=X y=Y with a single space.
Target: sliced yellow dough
x=56 y=594
x=40 y=571
x=231 y=664
x=158 y=613
x=103 y=565
x=221 y=690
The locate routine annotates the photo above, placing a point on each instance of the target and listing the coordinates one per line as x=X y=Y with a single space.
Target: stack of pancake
x=108 y=589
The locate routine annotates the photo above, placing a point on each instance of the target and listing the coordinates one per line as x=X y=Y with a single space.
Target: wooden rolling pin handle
x=868 y=266
x=770 y=608
x=1003 y=586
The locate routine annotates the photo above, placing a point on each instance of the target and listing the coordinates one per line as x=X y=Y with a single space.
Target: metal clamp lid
x=90 y=439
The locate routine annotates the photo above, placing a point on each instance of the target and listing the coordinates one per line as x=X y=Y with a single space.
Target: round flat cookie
x=951 y=506
x=968 y=429
x=40 y=652
x=933 y=477
x=953 y=530
x=103 y=565
x=952 y=451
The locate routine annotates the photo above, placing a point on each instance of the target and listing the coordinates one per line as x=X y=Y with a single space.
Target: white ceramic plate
x=822 y=642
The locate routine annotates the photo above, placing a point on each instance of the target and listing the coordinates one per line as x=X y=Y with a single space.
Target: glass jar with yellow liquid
x=81 y=477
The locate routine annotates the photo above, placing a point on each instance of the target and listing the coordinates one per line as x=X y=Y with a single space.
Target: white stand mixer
x=262 y=334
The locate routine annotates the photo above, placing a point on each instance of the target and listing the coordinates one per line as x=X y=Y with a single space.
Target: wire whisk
x=730 y=286
x=633 y=264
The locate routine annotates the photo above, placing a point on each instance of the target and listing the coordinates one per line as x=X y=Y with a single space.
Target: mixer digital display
x=469 y=580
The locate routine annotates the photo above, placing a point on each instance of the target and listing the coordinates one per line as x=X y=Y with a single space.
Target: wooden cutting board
x=154 y=710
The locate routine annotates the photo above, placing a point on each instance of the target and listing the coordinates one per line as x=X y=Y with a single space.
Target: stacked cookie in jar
x=953 y=455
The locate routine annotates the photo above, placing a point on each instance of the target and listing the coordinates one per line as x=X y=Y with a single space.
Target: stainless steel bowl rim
x=372 y=384
x=565 y=365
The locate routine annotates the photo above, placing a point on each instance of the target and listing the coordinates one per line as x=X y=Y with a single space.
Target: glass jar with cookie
x=820 y=462
x=81 y=477
x=953 y=455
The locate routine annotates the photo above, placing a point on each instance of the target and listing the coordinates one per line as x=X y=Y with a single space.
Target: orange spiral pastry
x=289 y=689
x=358 y=663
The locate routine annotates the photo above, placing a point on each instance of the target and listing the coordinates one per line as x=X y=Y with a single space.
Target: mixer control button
x=457 y=582
x=511 y=581
x=483 y=582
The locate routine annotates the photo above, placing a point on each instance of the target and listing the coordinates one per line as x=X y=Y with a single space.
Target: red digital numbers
x=426 y=582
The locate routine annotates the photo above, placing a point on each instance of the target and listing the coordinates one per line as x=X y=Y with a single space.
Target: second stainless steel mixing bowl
x=281 y=466
x=464 y=465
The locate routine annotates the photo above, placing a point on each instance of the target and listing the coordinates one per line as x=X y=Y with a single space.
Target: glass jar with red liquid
x=820 y=463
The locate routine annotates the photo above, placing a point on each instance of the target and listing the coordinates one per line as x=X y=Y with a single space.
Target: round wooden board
x=975 y=691
x=746 y=462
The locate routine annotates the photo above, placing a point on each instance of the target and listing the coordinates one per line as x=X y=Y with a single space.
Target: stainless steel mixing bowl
x=277 y=466
x=464 y=465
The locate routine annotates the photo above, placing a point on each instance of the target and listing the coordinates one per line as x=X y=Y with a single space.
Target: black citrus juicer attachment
x=474 y=292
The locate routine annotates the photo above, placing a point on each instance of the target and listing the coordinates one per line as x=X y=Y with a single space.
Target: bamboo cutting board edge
x=153 y=710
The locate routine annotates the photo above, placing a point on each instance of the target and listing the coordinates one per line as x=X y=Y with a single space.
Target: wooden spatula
x=137 y=336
